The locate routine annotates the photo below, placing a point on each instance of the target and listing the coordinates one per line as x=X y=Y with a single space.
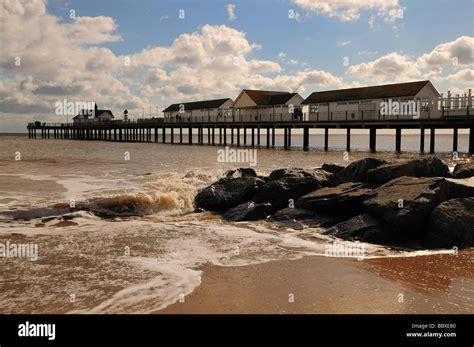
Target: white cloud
x=372 y=22
x=57 y=60
x=458 y=52
x=350 y=10
x=342 y=43
x=393 y=66
x=400 y=67
x=66 y=60
x=231 y=11
x=465 y=76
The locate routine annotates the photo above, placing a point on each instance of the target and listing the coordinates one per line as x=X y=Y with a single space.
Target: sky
x=144 y=55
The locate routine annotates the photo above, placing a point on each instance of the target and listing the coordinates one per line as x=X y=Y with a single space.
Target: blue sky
x=326 y=45
x=313 y=40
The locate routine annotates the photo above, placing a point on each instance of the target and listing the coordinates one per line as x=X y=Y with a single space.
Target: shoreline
x=322 y=285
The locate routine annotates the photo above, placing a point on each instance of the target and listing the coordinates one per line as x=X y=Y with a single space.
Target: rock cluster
x=408 y=202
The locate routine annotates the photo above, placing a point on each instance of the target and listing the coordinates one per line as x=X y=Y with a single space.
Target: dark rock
x=285 y=184
x=346 y=195
x=464 y=170
x=248 y=211
x=332 y=168
x=241 y=172
x=328 y=220
x=356 y=171
x=460 y=187
x=452 y=224
x=292 y=213
x=424 y=167
x=406 y=202
x=363 y=227
x=227 y=193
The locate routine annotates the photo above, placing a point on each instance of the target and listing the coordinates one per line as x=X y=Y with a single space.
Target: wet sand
x=429 y=284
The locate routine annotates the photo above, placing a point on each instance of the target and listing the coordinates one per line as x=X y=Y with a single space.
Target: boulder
x=292 y=214
x=248 y=211
x=241 y=172
x=406 y=202
x=460 y=187
x=464 y=170
x=364 y=228
x=424 y=167
x=451 y=224
x=285 y=184
x=332 y=168
x=356 y=171
x=346 y=195
x=227 y=193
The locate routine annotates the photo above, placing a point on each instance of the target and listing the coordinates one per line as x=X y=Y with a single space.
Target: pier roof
x=268 y=97
x=407 y=89
x=197 y=105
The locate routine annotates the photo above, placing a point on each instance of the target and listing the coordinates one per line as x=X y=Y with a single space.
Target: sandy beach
x=429 y=284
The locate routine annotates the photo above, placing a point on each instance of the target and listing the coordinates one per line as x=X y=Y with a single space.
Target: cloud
x=57 y=60
x=393 y=66
x=350 y=10
x=458 y=52
x=465 y=76
x=212 y=70
x=231 y=11
x=67 y=60
x=372 y=23
x=401 y=67
x=342 y=43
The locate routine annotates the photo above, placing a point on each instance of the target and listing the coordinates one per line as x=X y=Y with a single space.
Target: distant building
x=94 y=115
x=207 y=111
x=365 y=103
x=267 y=106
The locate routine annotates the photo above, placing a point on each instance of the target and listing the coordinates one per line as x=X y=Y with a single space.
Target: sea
x=110 y=227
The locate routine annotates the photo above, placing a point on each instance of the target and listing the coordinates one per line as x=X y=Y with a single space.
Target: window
x=313 y=108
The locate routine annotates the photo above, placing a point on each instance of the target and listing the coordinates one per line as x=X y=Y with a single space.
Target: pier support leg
x=156 y=134
x=253 y=137
x=326 y=139
x=285 y=138
x=273 y=137
x=245 y=136
x=398 y=140
x=238 y=136
x=208 y=136
x=190 y=136
x=220 y=136
x=172 y=135
x=258 y=136
x=181 y=135
x=232 y=136
x=213 y=135
x=422 y=140
x=268 y=137
x=289 y=138
x=305 y=138
x=164 y=135
x=225 y=136
x=432 y=140
x=348 y=139
x=373 y=139
x=455 y=139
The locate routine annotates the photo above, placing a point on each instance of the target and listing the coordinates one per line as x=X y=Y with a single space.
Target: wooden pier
x=247 y=133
